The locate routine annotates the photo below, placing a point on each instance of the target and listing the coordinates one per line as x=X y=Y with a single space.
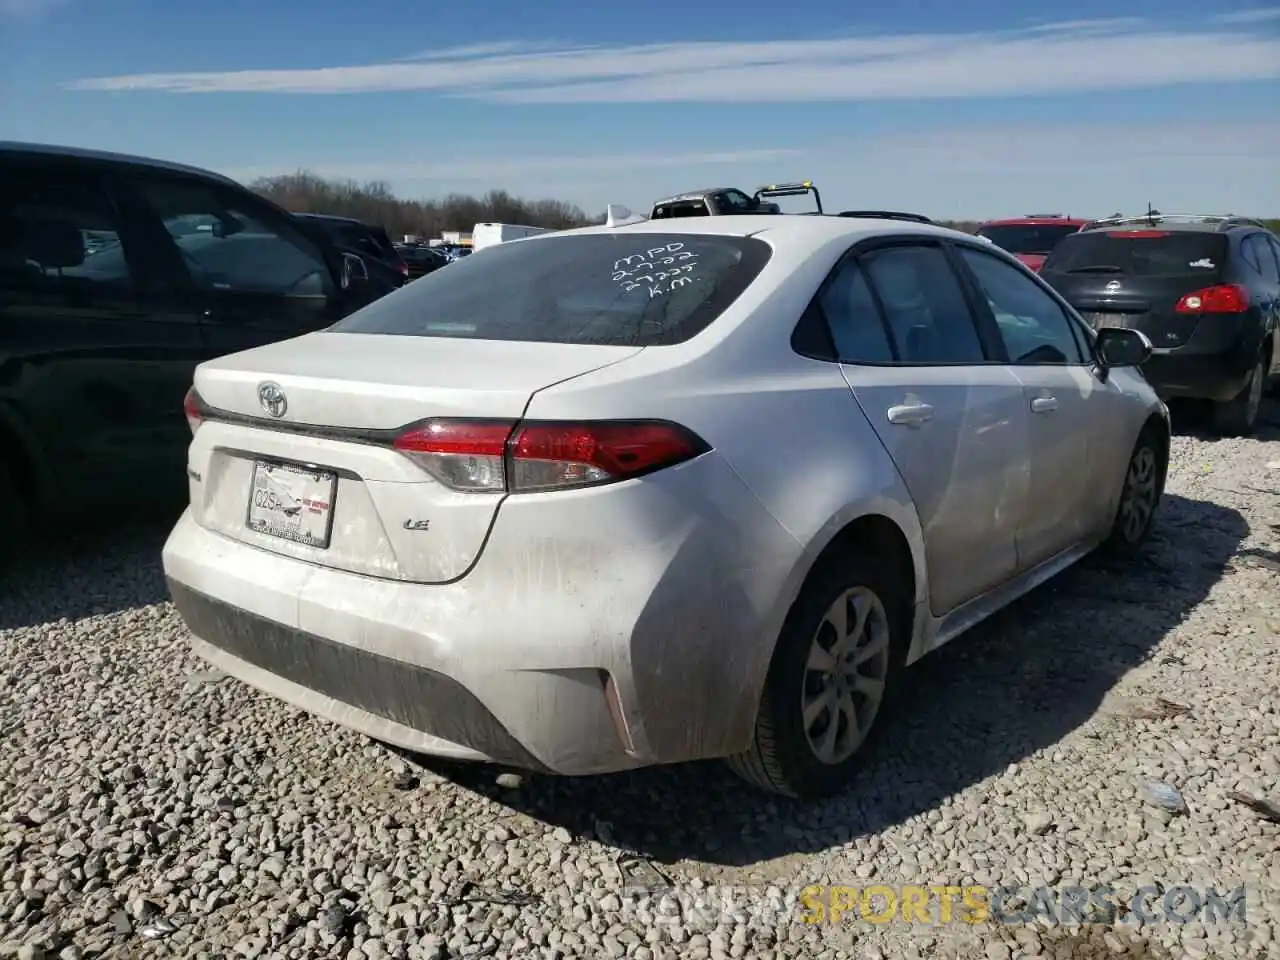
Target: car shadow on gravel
x=1014 y=685
x=97 y=568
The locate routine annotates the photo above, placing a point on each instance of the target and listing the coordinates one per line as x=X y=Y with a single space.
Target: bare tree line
x=373 y=202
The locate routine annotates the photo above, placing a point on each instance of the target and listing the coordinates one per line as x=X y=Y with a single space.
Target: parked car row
x=421 y=259
x=566 y=434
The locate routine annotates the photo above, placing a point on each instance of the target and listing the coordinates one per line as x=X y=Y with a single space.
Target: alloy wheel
x=845 y=675
x=1139 y=497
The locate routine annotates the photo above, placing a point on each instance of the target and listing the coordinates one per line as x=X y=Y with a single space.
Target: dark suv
x=1204 y=289
x=117 y=276
x=369 y=241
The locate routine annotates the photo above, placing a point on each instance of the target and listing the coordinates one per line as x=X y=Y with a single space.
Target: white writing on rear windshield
x=1206 y=263
x=659 y=270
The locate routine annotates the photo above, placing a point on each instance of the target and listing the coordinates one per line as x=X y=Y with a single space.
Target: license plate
x=1101 y=321
x=292 y=503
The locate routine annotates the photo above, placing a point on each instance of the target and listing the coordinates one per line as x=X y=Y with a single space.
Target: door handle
x=1044 y=404
x=910 y=414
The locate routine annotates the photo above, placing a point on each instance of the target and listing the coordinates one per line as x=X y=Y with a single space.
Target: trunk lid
x=357 y=504
x=1033 y=260
x=1135 y=278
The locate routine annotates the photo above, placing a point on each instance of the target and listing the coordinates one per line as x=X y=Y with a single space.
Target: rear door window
x=383 y=242
x=924 y=305
x=622 y=290
x=1140 y=253
x=681 y=208
x=1258 y=252
x=854 y=319
x=358 y=239
x=227 y=245
x=1274 y=244
x=60 y=231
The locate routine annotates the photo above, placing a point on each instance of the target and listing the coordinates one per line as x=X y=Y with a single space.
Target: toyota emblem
x=272 y=399
x=1112 y=287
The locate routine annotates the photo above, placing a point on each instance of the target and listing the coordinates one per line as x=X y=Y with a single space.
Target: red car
x=1030 y=238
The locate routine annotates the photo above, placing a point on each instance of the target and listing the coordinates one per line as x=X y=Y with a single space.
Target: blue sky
x=983 y=109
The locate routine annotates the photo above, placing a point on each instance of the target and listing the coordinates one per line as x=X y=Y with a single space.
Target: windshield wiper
x=1097 y=268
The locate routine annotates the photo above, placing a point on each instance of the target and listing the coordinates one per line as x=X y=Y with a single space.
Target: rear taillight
x=466 y=455
x=1225 y=298
x=484 y=456
x=193 y=407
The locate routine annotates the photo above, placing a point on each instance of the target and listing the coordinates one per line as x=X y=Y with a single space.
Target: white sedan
x=650 y=493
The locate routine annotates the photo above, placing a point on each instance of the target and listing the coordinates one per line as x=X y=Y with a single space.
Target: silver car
x=643 y=494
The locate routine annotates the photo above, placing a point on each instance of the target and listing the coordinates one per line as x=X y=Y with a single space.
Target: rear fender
x=890 y=507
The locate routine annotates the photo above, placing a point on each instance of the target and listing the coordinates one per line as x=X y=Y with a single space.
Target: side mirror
x=1122 y=348
x=354 y=271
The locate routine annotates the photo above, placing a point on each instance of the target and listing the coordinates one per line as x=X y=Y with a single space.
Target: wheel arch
x=888 y=525
x=1157 y=424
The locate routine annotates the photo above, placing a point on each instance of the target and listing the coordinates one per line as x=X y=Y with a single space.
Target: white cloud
x=475 y=50
x=1048 y=58
x=1103 y=25
x=1246 y=17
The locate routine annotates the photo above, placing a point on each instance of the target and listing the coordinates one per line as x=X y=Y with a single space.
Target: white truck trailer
x=488 y=234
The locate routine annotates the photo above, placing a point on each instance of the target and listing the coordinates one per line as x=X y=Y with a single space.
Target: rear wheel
x=831 y=681
x=13 y=515
x=1239 y=415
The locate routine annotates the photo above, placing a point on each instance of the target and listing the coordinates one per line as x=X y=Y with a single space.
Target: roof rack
x=1046 y=216
x=791 y=190
x=885 y=215
x=1224 y=220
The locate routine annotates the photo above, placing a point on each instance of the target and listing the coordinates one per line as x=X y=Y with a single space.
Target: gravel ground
x=150 y=808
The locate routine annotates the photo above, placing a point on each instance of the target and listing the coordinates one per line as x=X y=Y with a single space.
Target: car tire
x=1140 y=495
x=809 y=761
x=1238 y=416
x=14 y=516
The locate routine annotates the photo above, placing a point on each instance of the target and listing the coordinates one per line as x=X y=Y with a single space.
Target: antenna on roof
x=617 y=215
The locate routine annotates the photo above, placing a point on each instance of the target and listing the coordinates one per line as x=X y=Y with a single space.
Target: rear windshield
x=619 y=290
x=362 y=238
x=680 y=208
x=1139 y=253
x=1039 y=239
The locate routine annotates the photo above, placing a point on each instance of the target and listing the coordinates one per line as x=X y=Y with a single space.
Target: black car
x=371 y=242
x=1204 y=289
x=117 y=276
x=421 y=260
x=730 y=201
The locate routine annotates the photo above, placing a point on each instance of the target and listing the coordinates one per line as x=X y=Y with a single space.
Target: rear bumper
x=554 y=656
x=383 y=697
x=1203 y=377
x=1214 y=364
